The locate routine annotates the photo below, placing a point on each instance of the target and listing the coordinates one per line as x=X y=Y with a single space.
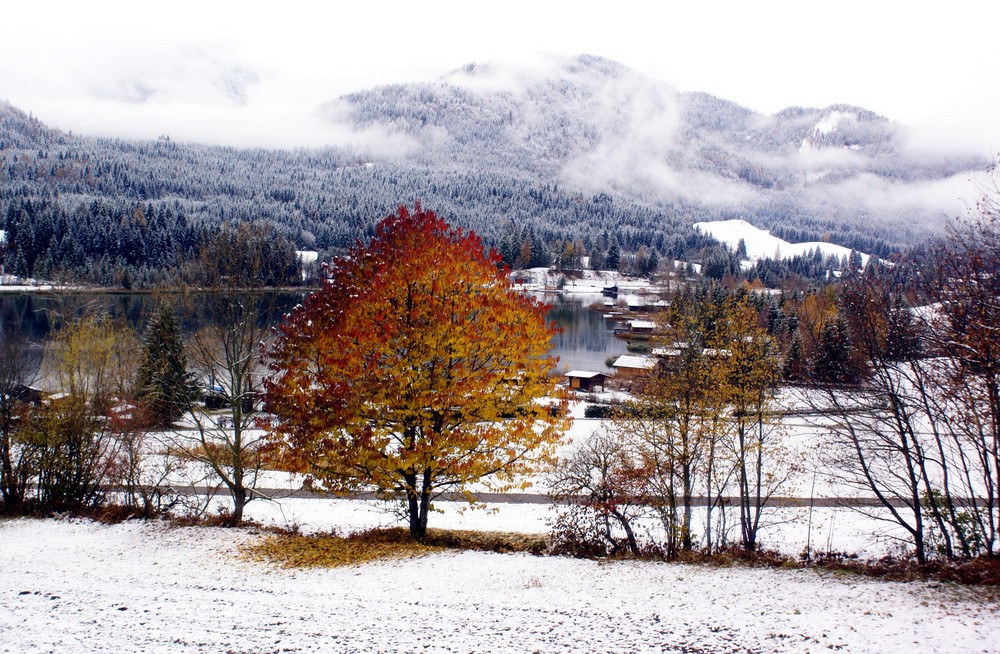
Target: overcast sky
x=254 y=73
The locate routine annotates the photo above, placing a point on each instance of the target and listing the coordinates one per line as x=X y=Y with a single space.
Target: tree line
x=897 y=367
x=418 y=370
x=86 y=195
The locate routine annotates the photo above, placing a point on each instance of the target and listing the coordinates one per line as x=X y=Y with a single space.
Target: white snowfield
x=761 y=244
x=75 y=586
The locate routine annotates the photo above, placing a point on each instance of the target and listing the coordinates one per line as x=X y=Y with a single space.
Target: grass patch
x=330 y=550
x=488 y=541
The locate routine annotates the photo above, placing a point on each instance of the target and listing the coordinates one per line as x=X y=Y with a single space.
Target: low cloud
x=191 y=92
x=949 y=196
x=639 y=151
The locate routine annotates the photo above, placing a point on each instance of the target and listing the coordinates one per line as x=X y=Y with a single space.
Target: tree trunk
x=239 y=502
x=418 y=503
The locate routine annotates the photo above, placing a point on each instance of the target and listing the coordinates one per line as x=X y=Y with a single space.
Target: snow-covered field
x=70 y=586
x=76 y=587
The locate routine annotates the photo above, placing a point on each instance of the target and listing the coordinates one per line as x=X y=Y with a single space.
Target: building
x=585 y=380
x=633 y=365
x=641 y=326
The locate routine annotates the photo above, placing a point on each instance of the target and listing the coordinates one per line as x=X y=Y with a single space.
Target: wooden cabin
x=586 y=381
x=633 y=365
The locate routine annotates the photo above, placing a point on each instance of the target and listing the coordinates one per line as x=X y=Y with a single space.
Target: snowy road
x=79 y=587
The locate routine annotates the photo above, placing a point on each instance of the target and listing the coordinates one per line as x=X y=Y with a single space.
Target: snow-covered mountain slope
x=579 y=148
x=597 y=126
x=761 y=244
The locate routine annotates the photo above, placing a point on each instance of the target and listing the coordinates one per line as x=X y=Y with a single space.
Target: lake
x=585 y=342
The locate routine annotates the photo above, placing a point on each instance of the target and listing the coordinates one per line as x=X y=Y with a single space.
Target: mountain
x=583 y=149
x=597 y=126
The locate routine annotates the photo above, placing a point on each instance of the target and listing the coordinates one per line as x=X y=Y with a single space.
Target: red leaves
x=418 y=355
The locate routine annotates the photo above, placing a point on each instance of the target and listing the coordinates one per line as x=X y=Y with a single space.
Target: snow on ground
x=788 y=530
x=586 y=282
x=14 y=286
x=761 y=244
x=307 y=256
x=70 y=586
x=866 y=532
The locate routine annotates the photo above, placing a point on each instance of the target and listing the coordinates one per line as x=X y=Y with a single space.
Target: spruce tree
x=165 y=387
x=833 y=362
x=613 y=260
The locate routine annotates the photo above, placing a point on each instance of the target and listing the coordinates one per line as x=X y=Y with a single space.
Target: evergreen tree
x=833 y=362
x=794 y=368
x=613 y=260
x=164 y=385
x=652 y=263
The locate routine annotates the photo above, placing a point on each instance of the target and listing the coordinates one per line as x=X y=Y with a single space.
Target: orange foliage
x=417 y=369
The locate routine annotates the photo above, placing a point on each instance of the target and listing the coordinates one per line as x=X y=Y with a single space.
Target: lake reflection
x=587 y=337
x=585 y=342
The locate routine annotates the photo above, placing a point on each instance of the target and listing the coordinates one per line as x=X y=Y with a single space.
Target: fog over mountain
x=597 y=126
x=578 y=148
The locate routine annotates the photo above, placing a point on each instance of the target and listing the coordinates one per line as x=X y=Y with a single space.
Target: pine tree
x=833 y=362
x=164 y=385
x=613 y=260
x=794 y=368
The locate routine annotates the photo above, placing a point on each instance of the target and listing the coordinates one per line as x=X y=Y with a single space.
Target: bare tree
x=18 y=371
x=227 y=356
x=963 y=281
x=886 y=432
x=603 y=488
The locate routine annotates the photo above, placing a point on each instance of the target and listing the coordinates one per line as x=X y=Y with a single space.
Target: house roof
x=585 y=374
x=635 y=361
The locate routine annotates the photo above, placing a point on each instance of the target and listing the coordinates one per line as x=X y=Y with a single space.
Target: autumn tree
x=750 y=375
x=415 y=371
x=675 y=422
x=75 y=446
x=80 y=358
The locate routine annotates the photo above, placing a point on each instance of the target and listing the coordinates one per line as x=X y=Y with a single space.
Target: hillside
x=596 y=126
x=587 y=150
x=761 y=244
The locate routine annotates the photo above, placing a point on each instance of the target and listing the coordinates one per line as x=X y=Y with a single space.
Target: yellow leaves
x=430 y=361
x=330 y=551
